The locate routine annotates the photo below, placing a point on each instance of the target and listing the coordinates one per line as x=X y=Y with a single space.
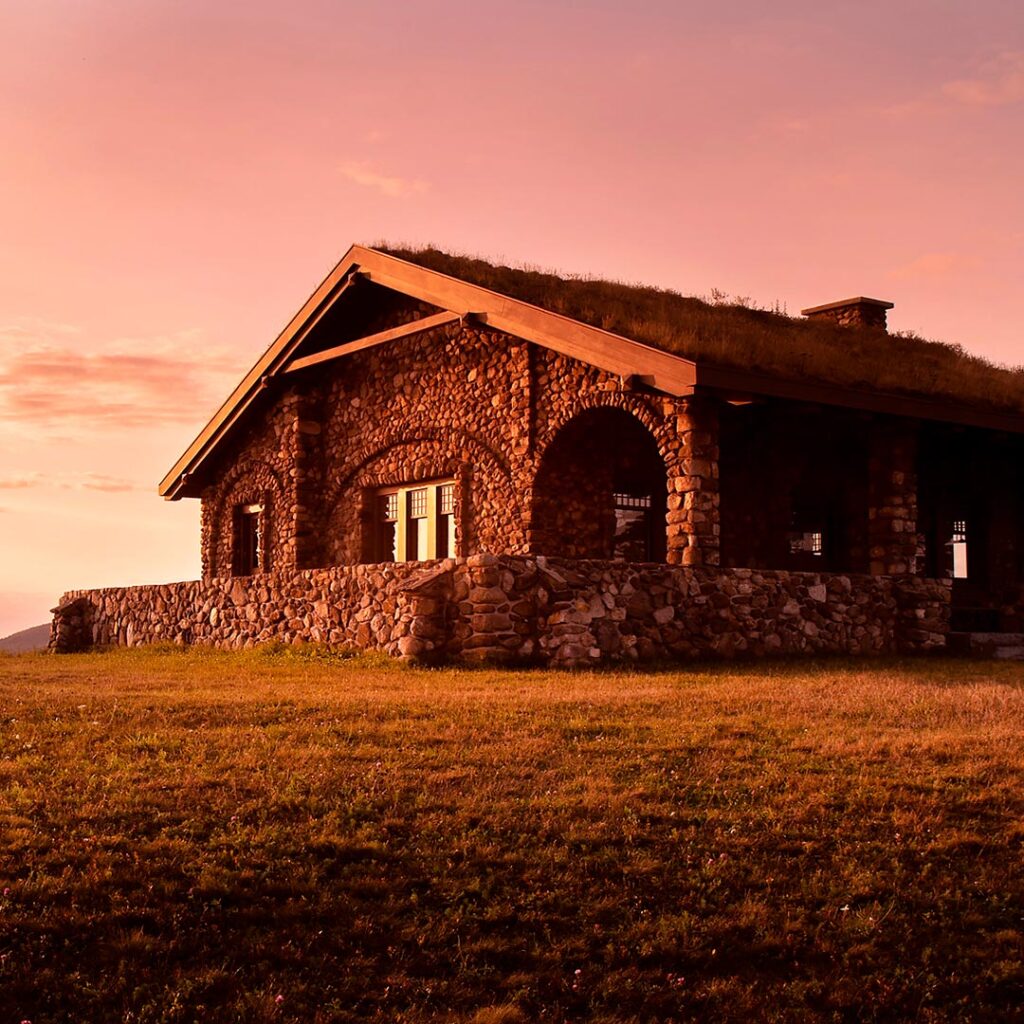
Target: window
x=414 y=523
x=386 y=541
x=634 y=528
x=958 y=544
x=808 y=543
x=446 y=520
x=249 y=547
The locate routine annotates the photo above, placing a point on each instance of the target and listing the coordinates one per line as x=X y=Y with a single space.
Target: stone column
x=307 y=473
x=892 y=498
x=693 y=525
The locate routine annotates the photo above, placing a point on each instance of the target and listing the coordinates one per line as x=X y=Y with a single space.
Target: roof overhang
x=458 y=299
x=729 y=381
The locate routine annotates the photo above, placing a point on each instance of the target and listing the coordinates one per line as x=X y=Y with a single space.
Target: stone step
x=1004 y=646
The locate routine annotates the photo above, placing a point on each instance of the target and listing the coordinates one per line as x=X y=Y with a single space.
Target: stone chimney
x=858 y=312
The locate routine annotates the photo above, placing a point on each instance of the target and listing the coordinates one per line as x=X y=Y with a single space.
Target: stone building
x=442 y=457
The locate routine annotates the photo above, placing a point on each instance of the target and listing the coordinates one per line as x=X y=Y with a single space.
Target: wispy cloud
x=998 y=82
x=365 y=174
x=109 y=484
x=52 y=379
x=70 y=482
x=929 y=265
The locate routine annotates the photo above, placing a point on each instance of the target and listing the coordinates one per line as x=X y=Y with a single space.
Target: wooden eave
x=726 y=380
x=659 y=370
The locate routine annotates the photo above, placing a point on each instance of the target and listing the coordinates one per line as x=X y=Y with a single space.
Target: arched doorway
x=600 y=491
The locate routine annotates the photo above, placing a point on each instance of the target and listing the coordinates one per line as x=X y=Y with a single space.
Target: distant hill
x=35 y=638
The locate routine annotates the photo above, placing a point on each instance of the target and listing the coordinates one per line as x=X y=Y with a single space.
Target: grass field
x=273 y=837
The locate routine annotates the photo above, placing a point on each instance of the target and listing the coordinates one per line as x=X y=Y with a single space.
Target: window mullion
x=431 y=551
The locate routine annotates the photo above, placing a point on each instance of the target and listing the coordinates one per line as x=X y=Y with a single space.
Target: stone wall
x=550 y=611
x=460 y=402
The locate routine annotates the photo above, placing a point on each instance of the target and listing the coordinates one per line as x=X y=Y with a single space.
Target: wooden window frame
x=433 y=516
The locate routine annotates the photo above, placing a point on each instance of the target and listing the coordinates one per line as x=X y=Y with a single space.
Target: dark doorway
x=601 y=491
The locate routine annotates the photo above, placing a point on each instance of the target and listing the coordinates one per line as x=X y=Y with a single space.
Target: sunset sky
x=176 y=177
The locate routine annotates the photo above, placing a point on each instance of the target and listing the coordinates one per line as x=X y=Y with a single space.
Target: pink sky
x=176 y=178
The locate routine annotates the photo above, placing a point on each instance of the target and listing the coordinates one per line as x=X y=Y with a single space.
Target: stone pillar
x=693 y=526
x=207 y=539
x=307 y=473
x=892 y=498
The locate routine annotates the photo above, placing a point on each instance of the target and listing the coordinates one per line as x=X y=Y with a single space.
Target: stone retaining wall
x=551 y=611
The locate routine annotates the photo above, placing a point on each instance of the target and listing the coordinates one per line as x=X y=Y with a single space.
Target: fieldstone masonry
x=558 y=612
x=892 y=493
x=537 y=444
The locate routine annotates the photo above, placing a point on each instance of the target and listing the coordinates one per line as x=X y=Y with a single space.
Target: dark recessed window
x=249 y=545
x=386 y=526
x=634 y=528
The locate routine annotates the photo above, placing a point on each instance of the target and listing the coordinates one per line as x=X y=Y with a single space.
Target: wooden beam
x=428 y=323
x=671 y=374
x=341 y=278
x=731 y=381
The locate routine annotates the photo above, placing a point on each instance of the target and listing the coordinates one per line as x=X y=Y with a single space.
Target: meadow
x=295 y=836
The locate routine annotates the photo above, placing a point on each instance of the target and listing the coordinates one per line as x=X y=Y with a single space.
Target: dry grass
x=203 y=836
x=754 y=339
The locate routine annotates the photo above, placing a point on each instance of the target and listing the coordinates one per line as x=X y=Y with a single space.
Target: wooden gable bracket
x=427 y=323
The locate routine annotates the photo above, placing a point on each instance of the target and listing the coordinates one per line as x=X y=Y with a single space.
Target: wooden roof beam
x=669 y=373
x=427 y=323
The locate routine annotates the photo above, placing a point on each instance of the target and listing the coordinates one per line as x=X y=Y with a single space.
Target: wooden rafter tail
x=427 y=323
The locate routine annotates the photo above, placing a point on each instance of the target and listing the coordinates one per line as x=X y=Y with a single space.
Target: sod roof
x=748 y=338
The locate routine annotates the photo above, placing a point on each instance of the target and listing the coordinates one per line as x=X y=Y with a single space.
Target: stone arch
x=487 y=516
x=637 y=406
x=601 y=486
x=251 y=481
x=472 y=447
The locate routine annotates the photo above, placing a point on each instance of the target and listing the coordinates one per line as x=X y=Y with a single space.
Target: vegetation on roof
x=749 y=338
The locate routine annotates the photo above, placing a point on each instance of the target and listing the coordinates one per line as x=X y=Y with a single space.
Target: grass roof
x=748 y=338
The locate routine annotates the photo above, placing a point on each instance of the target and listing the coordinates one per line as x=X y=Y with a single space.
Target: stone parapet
x=551 y=611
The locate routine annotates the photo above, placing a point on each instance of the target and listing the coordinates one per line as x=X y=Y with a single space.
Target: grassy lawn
x=270 y=837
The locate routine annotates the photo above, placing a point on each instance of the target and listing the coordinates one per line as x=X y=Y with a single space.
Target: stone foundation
x=550 y=611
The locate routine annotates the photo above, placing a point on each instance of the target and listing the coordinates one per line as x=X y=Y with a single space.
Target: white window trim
x=404 y=491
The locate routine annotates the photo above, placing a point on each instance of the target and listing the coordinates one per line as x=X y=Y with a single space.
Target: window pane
x=633 y=539
x=416 y=539
x=386 y=536
x=389 y=507
x=445 y=536
x=248 y=542
x=446 y=499
x=418 y=503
